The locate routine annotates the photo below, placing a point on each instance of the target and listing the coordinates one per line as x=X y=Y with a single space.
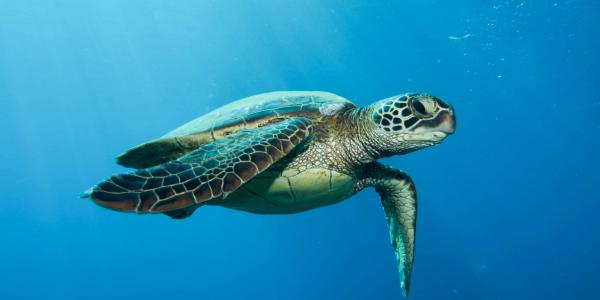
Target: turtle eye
x=423 y=107
x=419 y=107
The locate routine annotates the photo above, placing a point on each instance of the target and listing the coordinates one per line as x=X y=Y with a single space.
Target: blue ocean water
x=508 y=206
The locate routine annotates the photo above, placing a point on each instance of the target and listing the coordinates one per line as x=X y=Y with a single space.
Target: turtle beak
x=443 y=124
x=447 y=121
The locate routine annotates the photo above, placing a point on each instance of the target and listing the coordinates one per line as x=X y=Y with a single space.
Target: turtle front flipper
x=214 y=170
x=399 y=200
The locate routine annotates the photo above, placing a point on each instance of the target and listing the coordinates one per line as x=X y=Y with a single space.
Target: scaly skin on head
x=393 y=126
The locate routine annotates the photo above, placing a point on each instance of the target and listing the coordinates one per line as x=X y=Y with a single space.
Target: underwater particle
x=458 y=38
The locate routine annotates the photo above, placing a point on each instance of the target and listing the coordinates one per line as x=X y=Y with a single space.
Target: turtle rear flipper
x=162 y=150
x=212 y=171
x=182 y=213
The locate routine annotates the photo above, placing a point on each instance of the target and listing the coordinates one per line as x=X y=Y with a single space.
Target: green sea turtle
x=282 y=153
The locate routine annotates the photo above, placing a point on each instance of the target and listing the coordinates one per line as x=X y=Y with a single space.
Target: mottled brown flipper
x=212 y=171
x=399 y=200
x=182 y=213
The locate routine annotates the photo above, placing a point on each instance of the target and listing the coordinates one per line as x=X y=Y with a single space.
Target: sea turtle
x=282 y=153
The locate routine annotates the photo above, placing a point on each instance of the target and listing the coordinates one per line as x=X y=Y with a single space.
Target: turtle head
x=409 y=122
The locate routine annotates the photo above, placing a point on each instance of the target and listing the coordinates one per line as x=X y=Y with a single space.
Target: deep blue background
x=508 y=208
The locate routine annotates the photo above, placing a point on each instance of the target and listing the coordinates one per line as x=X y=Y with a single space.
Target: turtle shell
x=246 y=113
